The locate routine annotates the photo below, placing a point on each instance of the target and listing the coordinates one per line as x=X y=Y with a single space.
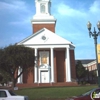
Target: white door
x=44 y=77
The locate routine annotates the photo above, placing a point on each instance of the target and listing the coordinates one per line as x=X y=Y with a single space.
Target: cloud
x=21 y=21
x=95 y=7
x=81 y=13
x=65 y=10
x=17 y=10
x=73 y=27
x=12 y=38
x=18 y=38
x=75 y=20
x=14 y=6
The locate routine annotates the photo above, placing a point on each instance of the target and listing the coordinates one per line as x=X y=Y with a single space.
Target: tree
x=5 y=78
x=12 y=57
x=1 y=78
x=80 y=70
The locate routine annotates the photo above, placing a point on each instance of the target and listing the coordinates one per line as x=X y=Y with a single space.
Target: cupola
x=43 y=17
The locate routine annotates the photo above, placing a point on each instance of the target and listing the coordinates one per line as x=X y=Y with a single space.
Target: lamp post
x=95 y=34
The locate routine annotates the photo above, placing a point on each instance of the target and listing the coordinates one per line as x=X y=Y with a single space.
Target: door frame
x=43 y=72
x=44 y=68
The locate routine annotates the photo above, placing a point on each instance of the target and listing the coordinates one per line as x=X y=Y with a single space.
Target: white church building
x=55 y=60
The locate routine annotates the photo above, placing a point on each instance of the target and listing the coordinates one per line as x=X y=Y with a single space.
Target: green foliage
x=94 y=73
x=13 y=56
x=1 y=77
x=5 y=77
x=81 y=72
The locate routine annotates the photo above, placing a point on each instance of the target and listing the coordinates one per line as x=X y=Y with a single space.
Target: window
x=42 y=8
x=3 y=94
x=44 y=58
x=12 y=93
x=97 y=91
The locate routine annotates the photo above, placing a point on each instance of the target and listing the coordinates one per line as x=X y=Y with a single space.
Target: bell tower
x=43 y=17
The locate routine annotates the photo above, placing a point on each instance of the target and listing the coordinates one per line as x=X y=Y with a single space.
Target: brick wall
x=55 y=68
x=28 y=76
x=60 y=66
x=47 y=84
x=37 y=27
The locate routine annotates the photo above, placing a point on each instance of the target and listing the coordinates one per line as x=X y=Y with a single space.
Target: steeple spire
x=43 y=17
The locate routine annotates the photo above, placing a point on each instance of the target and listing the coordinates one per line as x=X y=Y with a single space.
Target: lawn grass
x=53 y=92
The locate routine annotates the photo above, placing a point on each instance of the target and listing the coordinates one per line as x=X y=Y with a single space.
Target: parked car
x=9 y=95
x=93 y=94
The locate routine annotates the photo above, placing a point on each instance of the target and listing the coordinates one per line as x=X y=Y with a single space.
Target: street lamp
x=95 y=35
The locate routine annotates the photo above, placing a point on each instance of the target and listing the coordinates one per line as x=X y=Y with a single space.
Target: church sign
x=98 y=52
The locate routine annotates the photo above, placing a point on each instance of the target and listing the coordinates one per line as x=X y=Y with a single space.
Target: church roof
x=85 y=61
x=45 y=37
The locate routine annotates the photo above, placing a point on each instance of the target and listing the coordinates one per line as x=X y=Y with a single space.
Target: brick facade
x=28 y=76
x=37 y=27
x=60 y=66
x=47 y=84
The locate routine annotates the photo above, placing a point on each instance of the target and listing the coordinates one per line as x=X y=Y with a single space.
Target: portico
x=48 y=65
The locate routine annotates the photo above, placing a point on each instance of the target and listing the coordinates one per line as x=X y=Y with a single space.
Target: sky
x=72 y=17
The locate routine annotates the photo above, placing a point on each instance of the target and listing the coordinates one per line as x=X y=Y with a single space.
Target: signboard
x=98 y=52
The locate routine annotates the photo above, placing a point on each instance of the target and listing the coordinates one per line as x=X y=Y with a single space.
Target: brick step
x=47 y=84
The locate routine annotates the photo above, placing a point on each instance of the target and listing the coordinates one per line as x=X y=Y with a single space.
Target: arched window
x=42 y=8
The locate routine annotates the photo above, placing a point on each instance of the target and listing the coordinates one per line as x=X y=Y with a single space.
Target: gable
x=44 y=36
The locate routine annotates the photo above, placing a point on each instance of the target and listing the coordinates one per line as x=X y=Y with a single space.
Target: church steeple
x=43 y=17
x=43 y=7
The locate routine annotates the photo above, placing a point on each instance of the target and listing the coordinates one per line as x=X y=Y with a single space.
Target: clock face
x=43 y=37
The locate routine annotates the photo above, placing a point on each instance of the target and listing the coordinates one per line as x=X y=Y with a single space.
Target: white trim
x=35 y=68
x=44 y=69
x=20 y=79
x=48 y=46
x=48 y=22
x=52 y=65
x=68 y=70
x=28 y=40
x=44 y=17
x=90 y=64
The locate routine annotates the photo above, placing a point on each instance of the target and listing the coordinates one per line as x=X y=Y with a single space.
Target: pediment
x=44 y=36
x=44 y=66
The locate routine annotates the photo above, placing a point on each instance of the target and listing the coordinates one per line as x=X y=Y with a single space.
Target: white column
x=52 y=66
x=35 y=67
x=39 y=80
x=68 y=69
x=49 y=74
x=20 y=79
